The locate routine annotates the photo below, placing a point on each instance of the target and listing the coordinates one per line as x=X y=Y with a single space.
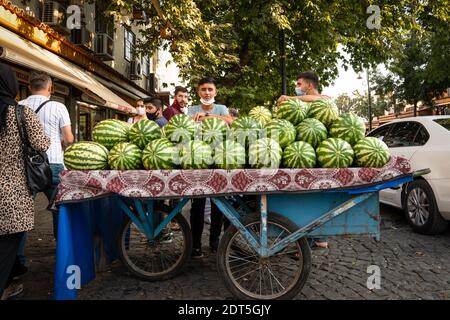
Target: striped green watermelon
x=159 y=154
x=325 y=111
x=371 y=152
x=110 y=132
x=349 y=127
x=125 y=156
x=299 y=155
x=293 y=110
x=265 y=153
x=144 y=131
x=229 y=155
x=335 y=153
x=245 y=129
x=214 y=130
x=86 y=155
x=281 y=131
x=181 y=128
x=311 y=131
x=261 y=114
x=196 y=154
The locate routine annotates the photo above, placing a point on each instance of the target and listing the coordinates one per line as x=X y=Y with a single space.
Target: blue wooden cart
x=264 y=254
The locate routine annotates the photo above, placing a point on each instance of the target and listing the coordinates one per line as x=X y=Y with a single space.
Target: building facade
x=91 y=57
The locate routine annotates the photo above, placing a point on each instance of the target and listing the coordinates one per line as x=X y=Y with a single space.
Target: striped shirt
x=54 y=116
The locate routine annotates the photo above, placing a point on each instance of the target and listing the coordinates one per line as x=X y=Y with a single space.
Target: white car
x=425 y=142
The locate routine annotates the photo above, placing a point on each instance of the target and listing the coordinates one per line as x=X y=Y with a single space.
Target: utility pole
x=282 y=44
x=370 y=100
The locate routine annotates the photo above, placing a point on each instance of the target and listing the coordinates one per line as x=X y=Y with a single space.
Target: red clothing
x=173 y=110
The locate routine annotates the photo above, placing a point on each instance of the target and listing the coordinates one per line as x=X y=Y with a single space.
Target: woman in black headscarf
x=16 y=203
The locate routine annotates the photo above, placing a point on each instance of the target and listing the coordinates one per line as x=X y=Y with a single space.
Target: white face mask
x=207 y=102
x=140 y=111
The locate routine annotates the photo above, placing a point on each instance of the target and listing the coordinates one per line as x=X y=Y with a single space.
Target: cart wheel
x=161 y=258
x=248 y=276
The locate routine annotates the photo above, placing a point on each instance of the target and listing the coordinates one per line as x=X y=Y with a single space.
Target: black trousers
x=198 y=220
x=9 y=244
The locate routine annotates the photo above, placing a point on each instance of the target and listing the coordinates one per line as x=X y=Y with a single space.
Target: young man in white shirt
x=57 y=126
x=207 y=109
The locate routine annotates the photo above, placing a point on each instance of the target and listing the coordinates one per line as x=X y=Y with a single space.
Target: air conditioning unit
x=104 y=47
x=83 y=37
x=54 y=15
x=135 y=70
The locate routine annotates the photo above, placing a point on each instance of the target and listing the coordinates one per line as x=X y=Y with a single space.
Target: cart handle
x=421 y=172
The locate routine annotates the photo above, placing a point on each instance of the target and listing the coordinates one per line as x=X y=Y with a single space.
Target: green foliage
x=237 y=41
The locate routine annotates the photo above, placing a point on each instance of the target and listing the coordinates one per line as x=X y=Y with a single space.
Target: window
x=421 y=137
x=444 y=122
x=130 y=40
x=381 y=133
x=145 y=65
x=403 y=134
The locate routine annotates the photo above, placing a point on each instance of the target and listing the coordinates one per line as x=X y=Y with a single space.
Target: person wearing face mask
x=306 y=89
x=153 y=109
x=140 y=112
x=207 y=108
x=179 y=104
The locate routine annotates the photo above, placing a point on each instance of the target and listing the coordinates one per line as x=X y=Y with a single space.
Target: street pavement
x=412 y=266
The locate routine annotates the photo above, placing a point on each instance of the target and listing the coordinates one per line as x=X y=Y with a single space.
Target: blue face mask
x=299 y=91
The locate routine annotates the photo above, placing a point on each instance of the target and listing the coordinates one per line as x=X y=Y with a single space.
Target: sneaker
x=18 y=271
x=12 y=290
x=196 y=253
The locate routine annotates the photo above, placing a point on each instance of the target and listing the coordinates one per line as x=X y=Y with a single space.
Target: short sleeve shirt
x=218 y=110
x=54 y=116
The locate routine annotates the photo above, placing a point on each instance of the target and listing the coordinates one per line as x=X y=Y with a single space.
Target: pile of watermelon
x=295 y=135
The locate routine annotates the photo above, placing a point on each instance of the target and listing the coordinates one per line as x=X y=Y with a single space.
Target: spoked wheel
x=248 y=276
x=158 y=259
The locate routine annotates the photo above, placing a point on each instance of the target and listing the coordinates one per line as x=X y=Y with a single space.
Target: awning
x=25 y=53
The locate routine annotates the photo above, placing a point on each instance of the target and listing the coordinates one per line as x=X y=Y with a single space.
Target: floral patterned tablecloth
x=83 y=185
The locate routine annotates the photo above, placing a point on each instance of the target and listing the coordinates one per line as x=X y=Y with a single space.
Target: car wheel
x=421 y=209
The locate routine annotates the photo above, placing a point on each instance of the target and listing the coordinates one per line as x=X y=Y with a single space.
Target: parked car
x=425 y=142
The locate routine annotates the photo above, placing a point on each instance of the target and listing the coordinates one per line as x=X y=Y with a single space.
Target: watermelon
x=143 y=132
x=229 y=155
x=196 y=154
x=371 y=152
x=299 y=155
x=311 y=131
x=181 y=128
x=265 y=153
x=349 y=127
x=110 y=132
x=335 y=153
x=260 y=114
x=281 y=131
x=245 y=129
x=325 y=111
x=159 y=154
x=86 y=155
x=214 y=130
x=293 y=110
x=125 y=156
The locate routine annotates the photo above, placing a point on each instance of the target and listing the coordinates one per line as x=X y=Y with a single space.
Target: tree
x=236 y=41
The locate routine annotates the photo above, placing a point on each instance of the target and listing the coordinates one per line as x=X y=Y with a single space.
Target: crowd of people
x=50 y=129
